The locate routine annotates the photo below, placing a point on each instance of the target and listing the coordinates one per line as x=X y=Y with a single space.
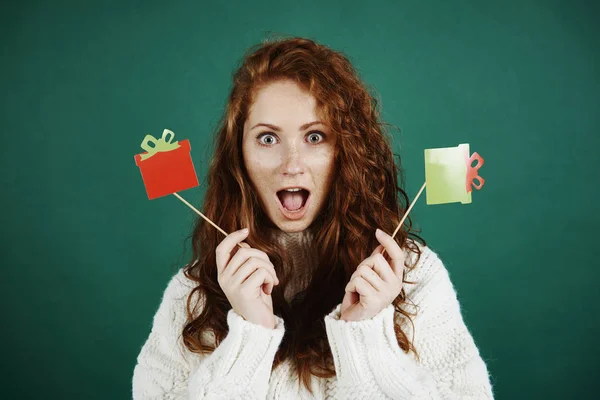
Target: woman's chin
x=292 y=226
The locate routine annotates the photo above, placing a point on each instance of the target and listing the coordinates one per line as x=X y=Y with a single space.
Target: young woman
x=307 y=306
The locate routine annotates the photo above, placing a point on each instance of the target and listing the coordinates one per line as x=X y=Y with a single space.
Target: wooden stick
x=206 y=218
x=407 y=211
x=246 y=245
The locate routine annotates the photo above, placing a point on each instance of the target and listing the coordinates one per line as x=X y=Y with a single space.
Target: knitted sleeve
x=370 y=364
x=240 y=367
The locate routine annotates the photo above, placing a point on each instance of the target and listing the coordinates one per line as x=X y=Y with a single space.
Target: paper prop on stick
x=449 y=177
x=167 y=168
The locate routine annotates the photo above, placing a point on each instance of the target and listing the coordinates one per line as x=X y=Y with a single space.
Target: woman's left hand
x=374 y=284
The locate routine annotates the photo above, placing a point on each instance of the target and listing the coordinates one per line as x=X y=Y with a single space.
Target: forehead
x=280 y=102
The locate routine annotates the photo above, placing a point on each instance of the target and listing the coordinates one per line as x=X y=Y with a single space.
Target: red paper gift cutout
x=168 y=168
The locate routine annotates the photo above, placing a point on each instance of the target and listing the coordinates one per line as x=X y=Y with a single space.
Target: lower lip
x=293 y=215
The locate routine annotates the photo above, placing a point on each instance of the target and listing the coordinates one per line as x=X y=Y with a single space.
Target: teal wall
x=87 y=256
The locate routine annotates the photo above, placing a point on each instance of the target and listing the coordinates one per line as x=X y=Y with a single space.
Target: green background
x=86 y=256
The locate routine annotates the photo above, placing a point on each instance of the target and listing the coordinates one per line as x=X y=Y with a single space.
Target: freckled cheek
x=260 y=172
x=324 y=165
x=265 y=165
x=323 y=175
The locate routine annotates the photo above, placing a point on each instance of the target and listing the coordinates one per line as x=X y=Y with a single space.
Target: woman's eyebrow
x=278 y=129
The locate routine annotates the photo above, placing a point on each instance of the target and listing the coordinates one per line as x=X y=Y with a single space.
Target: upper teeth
x=293 y=189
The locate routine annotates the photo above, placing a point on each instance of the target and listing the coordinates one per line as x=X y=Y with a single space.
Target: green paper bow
x=160 y=145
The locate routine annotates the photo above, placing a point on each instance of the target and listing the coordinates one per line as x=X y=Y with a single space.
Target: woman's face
x=286 y=145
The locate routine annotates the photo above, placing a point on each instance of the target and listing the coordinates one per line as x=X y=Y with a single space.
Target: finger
x=372 y=277
x=377 y=250
x=395 y=252
x=364 y=288
x=350 y=287
x=248 y=267
x=252 y=252
x=260 y=277
x=241 y=256
x=224 y=249
x=384 y=269
x=349 y=299
x=367 y=262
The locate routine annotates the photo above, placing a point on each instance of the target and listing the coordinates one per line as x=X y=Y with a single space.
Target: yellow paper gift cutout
x=449 y=175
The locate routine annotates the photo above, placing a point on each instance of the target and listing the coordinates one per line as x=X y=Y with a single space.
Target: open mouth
x=293 y=200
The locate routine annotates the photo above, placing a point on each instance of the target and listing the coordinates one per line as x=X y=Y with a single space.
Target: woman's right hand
x=247 y=279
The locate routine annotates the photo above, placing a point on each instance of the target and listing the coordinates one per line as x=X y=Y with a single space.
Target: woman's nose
x=293 y=162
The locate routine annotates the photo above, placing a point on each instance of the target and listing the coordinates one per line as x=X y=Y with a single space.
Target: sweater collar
x=302 y=258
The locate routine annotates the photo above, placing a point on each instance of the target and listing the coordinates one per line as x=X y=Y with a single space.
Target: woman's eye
x=313 y=137
x=269 y=139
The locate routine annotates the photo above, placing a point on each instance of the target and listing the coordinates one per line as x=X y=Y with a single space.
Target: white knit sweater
x=368 y=361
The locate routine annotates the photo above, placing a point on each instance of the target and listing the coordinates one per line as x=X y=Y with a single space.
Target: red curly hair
x=364 y=196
